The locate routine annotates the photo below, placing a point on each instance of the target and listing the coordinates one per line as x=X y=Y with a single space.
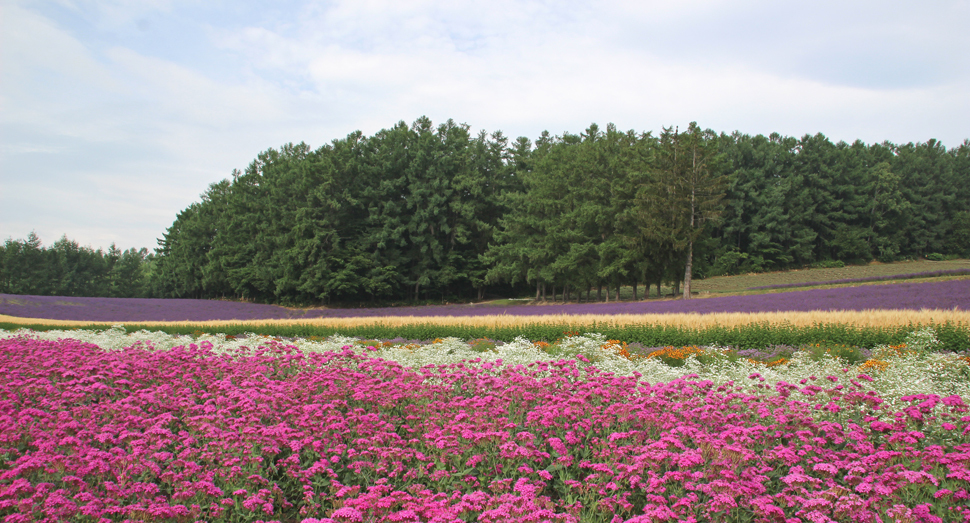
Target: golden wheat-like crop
x=869 y=318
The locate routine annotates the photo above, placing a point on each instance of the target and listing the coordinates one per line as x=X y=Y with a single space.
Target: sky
x=115 y=115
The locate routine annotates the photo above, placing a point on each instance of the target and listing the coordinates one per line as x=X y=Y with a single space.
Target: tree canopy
x=426 y=211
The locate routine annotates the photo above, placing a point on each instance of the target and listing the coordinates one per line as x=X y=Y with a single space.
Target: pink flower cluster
x=274 y=434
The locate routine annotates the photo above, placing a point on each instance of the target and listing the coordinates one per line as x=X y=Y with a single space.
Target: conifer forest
x=430 y=212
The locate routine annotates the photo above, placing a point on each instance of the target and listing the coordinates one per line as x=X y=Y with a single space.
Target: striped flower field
x=114 y=426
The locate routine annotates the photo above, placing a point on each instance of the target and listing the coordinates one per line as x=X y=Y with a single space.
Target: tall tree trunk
x=635 y=283
x=690 y=241
x=537 y=290
x=690 y=263
x=599 y=292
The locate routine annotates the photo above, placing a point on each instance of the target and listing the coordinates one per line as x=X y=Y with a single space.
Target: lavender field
x=947 y=295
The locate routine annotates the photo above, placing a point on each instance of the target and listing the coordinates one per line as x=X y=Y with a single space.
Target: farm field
x=111 y=426
x=950 y=294
x=745 y=282
x=841 y=403
x=815 y=277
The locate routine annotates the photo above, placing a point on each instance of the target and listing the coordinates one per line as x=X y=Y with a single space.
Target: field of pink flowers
x=276 y=434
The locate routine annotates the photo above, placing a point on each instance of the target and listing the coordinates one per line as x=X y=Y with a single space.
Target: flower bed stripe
x=283 y=435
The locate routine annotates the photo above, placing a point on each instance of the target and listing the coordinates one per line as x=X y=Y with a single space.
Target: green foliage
x=850 y=354
x=960 y=234
x=935 y=256
x=404 y=214
x=68 y=269
x=569 y=227
x=686 y=191
x=829 y=264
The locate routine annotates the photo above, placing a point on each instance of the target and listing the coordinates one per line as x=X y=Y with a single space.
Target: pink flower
x=953 y=401
x=347 y=514
x=828 y=468
x=557 y=445
x=880 y=426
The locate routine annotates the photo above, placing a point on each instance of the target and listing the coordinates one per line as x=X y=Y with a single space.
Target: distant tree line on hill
x=427 y=212
x=67 y=269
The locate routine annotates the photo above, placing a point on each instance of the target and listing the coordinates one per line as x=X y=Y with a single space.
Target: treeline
x=795 y=202
x=67 y=269
x=422 y=211
x=433 y=212
x=404 y=214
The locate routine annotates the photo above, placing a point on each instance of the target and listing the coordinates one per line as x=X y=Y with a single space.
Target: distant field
x=740 y=283
x=937 y=301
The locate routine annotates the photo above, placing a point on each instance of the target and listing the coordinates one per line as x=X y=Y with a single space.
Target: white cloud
x=190 y=97
x=45 y=70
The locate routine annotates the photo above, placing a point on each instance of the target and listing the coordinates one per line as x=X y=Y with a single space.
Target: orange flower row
x=676 y=353
x=620 y=348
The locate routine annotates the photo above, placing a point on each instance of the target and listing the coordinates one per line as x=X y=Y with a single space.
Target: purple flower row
x=953 y=294
x=927 y=274
x=274 y=434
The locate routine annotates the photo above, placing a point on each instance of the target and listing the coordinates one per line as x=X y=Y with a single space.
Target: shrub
x=829 y=264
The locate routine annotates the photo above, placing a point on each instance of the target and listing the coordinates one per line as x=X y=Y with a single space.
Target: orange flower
x=676 y=353
x=619 y=348
x=875 y=365
x=896 y=350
